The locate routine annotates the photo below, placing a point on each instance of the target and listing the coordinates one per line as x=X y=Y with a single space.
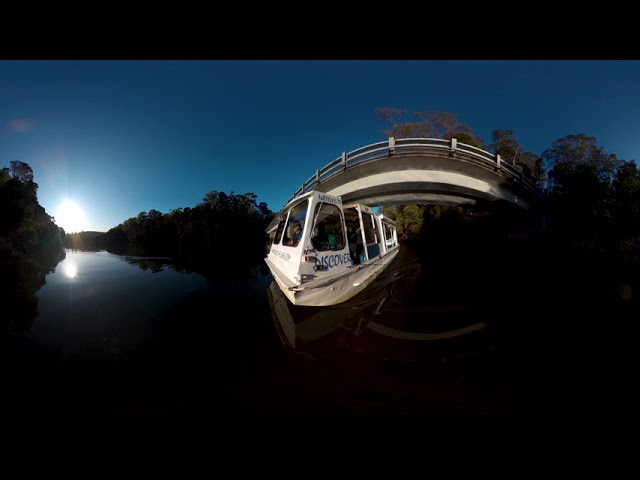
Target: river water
x=459 y=333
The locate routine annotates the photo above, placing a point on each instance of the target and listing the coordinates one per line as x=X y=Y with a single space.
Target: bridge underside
x=428 y=180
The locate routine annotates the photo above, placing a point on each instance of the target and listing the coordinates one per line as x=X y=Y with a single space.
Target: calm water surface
x=97 y=302
x=434 y=335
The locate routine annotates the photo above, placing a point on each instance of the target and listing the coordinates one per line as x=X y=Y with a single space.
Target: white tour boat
x=341 y=250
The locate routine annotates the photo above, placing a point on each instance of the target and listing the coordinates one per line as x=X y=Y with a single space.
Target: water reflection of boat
x=298 y=327
x=391 y=312
x=340 y=251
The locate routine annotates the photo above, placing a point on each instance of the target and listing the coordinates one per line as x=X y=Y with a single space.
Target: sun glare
x=70 y=217
x=70 y=270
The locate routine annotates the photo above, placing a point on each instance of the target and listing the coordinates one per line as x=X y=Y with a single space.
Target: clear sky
x=115 y=138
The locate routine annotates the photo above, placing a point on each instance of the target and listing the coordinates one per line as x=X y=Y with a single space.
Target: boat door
x=363 y=231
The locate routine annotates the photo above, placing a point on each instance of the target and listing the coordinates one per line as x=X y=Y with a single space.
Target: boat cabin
x=335 y=239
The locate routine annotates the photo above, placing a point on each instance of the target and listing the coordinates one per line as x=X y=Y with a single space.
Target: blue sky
x=117 y=138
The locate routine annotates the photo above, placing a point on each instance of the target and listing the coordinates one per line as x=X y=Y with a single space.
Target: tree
x=410 y=221
x=505 y=145
x=21 y=171
x=389 y=211
x=625 y=198
x=215 y=199
x=580 y=181
x=511 y=151
x=427 y=124
x=24 y=224
x=533 y=168
x=573 y=151
x=4 y=176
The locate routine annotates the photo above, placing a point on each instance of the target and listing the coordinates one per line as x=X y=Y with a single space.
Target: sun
x=70 y=217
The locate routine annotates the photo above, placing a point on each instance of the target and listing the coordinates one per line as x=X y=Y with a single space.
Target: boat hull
x=342 y=289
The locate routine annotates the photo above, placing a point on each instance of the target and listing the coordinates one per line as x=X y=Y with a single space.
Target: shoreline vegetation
x=588 y=210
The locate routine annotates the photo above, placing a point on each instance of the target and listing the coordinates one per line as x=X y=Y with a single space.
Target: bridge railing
x=410 y=146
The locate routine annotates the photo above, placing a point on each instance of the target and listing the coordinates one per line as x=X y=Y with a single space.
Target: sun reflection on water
x=70 y=270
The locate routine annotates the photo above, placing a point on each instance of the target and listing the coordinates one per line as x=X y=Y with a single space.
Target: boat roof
x=283 y=211
x=304 y=196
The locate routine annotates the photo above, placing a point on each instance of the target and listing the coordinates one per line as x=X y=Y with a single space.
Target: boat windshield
x=328 y=233
x=287 y=233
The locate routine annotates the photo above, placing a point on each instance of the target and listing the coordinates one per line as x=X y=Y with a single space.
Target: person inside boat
x=297 y=234
x=318 y=237
x=355 y=244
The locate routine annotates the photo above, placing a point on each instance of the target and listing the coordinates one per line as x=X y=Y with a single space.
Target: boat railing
x=412 y=146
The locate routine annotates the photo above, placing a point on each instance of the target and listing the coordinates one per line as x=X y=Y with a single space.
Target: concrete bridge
x=424 y=171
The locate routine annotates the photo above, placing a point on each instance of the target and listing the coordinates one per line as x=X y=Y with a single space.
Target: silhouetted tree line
x=586 y=196
x=31 y=245
x=222 y=229
x=25 y=227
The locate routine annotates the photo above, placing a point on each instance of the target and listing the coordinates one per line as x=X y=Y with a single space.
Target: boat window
x=388 y=234
x=297 y=216
x=278 y=236
x=328 y=232
x=354 y=234
x=369 y=228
